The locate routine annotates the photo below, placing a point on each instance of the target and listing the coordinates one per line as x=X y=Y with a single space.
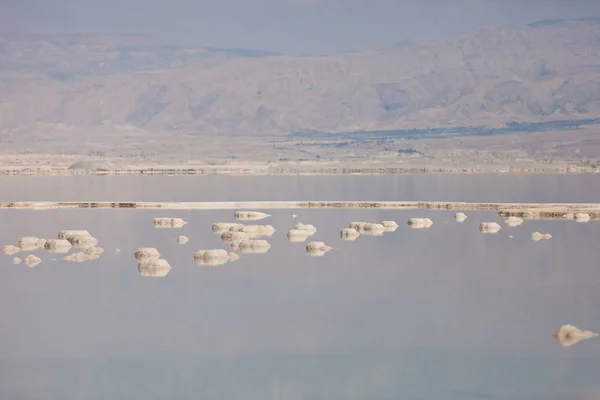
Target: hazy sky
x=290 y=26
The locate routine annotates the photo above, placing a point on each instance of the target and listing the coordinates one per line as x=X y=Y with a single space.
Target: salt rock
x=568 y=335
x=317 y=249
x=10 y=250
x=182 y=239
x=32 y=261
x=144 y=253
x=58 y=246
x=349 y=234
x=460 y=217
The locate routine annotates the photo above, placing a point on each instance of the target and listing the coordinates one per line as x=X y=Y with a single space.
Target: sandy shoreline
x=266 y=170
x=523 y=210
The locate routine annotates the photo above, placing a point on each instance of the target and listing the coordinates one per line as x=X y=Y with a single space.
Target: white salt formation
x=65 y=234
x=220 y=227
x=145 y=253
x=581 y=217
x=317 y=249
x=460 y=217
x=182 y=239
x=250 y=215
x=296 y=236
x=568 y=335
x=165 y=222
x=537 y=236
x=254 y=246
x=349 y=234
x=489 y=227
x=513 y=221
x=233 y=257
x=155 y=268
x=58 y=246
x=420 y=223
x=10 y=250
x=294 y=215
x=16 y=260
x=32 y=261
x=390 y=226
x=31 y=243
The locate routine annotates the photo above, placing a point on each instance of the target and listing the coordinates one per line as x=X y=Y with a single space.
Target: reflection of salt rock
x=66 y=233
x=294 y=215
x=317 y=249
x=420 y=223
x=460 y=217
x=156 y=268
x=93 y=251
x=80 y=257
x=233 y=257
x=211 y=257
x=368 y=228
x=16 y=260
x=10 y=250
x=182 y=239
x=58 y=246
x=144 y=253
x=489 y=227
x=305 y=227
x=349 y=234
x=537 y=236
x=220 y=227
x=32 y=261
x=165 y=222
x=254 y=246
x=513 y=221
x=79 y=241
x=234 y=238
x=581 y=217
x=250 y=215
x=390 y=226
x=568 y=335
x=31 y=243
x=295 y=235
x=255 y=231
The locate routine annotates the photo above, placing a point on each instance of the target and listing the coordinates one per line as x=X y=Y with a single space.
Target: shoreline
x=564 y=211
x=299 y=170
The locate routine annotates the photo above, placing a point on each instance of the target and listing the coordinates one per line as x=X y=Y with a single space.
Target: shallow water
x=443 y=187
x=438 y=313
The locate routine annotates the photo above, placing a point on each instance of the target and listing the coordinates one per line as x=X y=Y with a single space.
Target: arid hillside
x=545 y=71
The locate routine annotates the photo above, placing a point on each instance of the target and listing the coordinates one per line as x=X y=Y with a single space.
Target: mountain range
x=488 y=77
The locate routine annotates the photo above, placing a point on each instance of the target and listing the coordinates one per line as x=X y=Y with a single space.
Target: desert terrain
x=497 y=98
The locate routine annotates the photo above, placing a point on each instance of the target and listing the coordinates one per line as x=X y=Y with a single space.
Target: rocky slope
x=490 y=76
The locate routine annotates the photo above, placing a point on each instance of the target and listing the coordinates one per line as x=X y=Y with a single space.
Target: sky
x=295 y=27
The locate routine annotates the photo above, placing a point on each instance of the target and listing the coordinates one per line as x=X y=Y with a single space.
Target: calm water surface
x=438 y=313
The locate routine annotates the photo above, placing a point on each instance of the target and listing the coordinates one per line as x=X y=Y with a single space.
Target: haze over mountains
x=549 y=70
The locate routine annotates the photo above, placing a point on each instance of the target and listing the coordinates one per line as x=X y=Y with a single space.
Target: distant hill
x=490 y=76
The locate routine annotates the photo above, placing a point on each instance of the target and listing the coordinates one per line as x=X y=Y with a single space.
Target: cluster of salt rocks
x=67 y=240
x=355 y=229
